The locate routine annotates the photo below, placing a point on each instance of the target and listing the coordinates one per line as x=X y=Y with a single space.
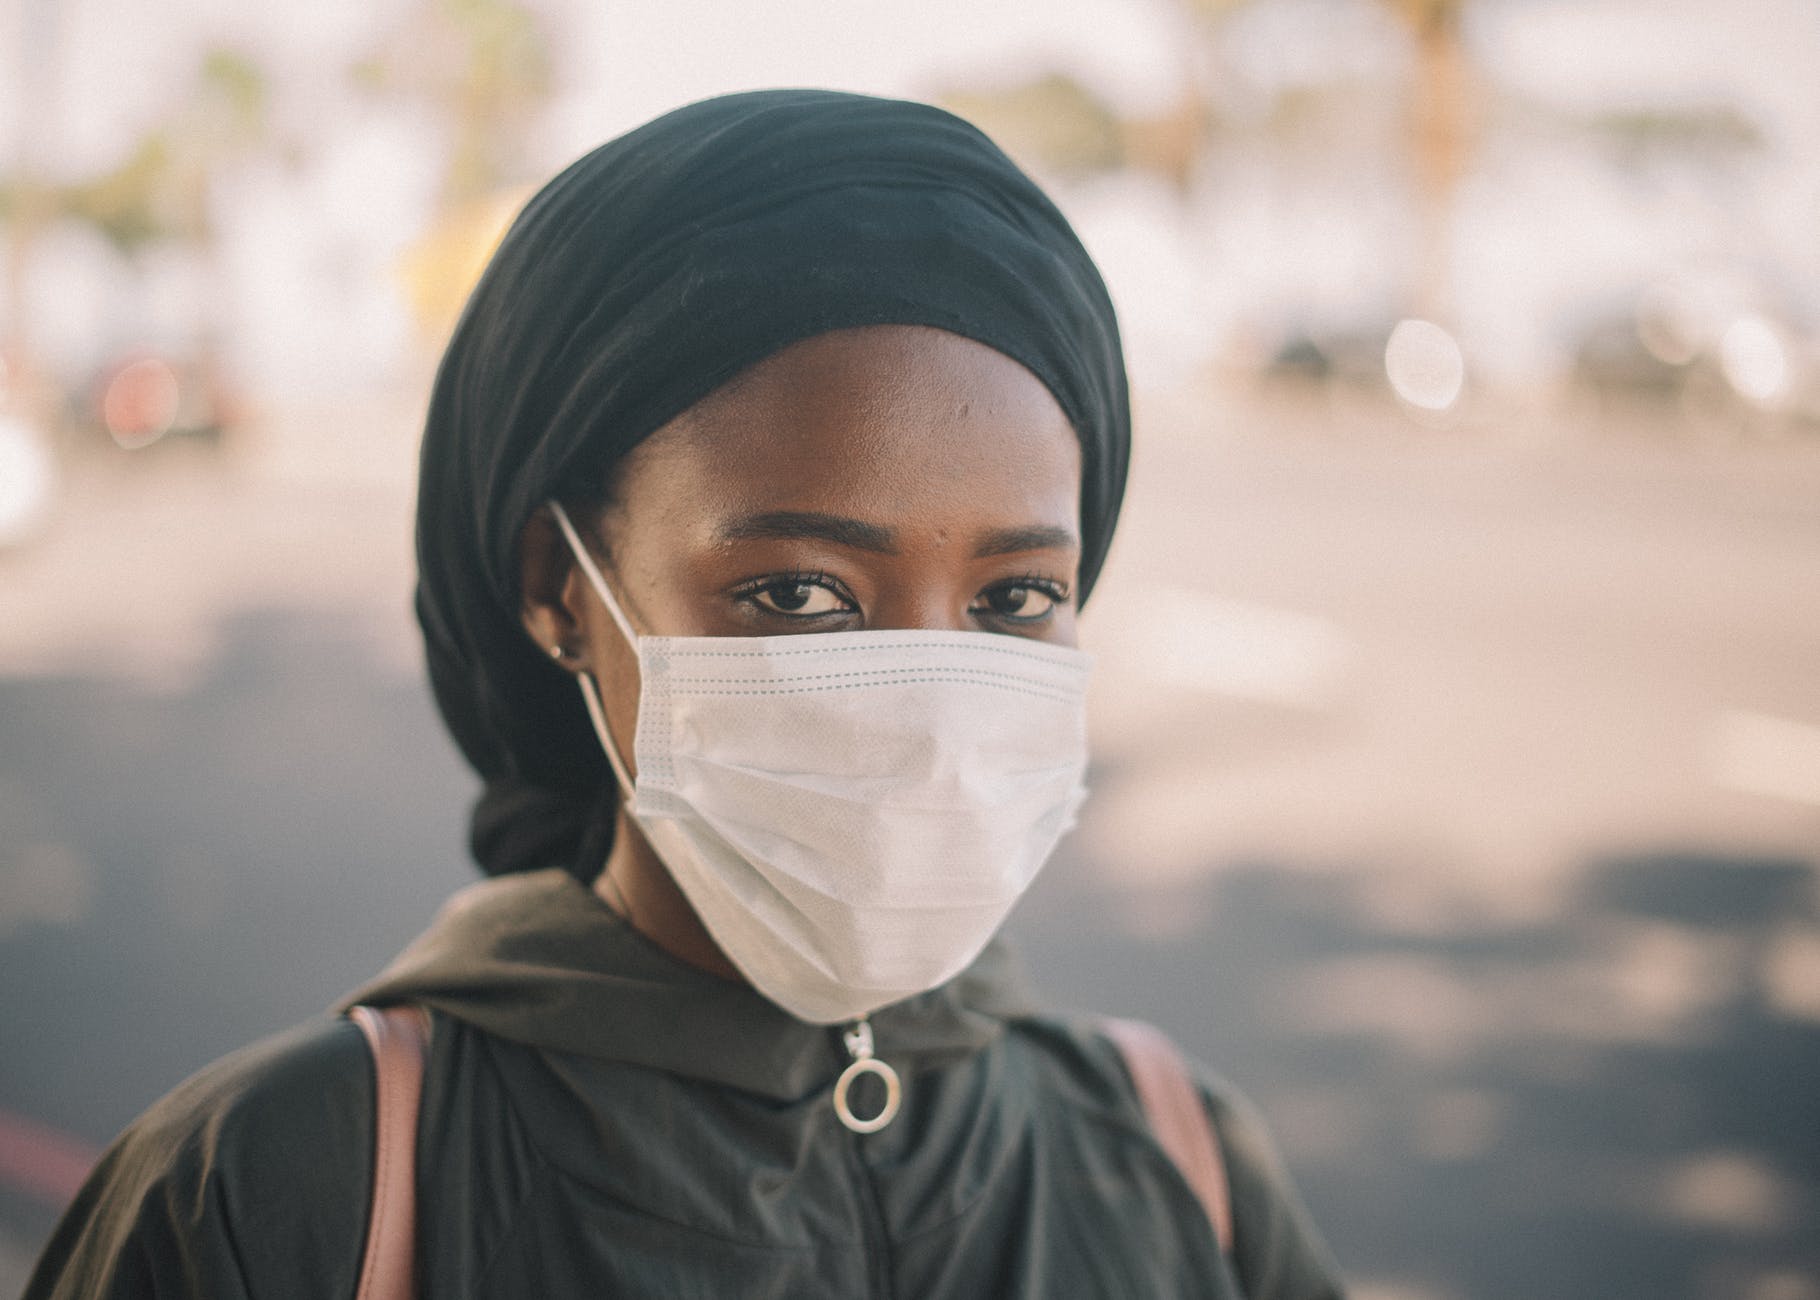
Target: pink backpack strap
x=1172 y=1105
x=398 y=1038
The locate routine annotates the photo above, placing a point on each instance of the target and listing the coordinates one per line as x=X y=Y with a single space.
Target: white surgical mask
x=851 y=814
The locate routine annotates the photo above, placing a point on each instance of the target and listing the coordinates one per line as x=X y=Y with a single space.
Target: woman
x=762 y=481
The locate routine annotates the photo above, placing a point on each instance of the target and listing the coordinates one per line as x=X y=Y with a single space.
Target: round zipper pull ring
x=894 y=1095
x=859 y=1043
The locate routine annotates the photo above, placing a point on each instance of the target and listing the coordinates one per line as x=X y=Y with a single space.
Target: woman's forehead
x=892 y=424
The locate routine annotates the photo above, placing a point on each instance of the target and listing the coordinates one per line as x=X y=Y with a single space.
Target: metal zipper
x=858 y=1040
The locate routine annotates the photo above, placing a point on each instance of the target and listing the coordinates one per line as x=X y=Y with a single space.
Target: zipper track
x=879 y=1262
x=872 y=1222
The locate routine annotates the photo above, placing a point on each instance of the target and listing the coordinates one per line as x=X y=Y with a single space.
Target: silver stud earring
x=559 y=652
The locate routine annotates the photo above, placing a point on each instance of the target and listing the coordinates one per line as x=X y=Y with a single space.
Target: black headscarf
x=645 y=276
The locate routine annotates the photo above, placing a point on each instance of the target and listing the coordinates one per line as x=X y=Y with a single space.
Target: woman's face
x=885 y=477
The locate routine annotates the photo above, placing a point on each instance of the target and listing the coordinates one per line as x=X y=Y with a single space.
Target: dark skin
x=877 y=478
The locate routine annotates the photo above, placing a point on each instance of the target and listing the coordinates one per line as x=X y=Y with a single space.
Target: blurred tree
x=1439 y=139
x=159 y=193
x=1715 y=134
x=1054 y=120
x=1062 y=126
x=160 y=190
x=26 y=206
x=485 y=68
x=486 y=71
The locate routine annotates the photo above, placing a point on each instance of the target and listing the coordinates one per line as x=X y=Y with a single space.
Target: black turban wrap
x=645 y=276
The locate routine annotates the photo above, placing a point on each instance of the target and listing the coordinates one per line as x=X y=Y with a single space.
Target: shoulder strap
x=1172 y=1105
x=398 y=1037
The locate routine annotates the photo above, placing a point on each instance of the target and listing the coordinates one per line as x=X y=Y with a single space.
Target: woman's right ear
x=545 y=567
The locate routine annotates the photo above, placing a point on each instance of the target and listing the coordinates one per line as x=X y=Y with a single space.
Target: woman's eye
x=798 y=599
x=1020 y=602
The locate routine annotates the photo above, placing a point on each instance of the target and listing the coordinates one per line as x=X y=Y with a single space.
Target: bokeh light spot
x=1424 y=365
x=1755 y=360
x=140 y=405
x=28 y=481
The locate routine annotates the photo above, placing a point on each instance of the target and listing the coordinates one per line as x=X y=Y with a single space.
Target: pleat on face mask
x=851 y=814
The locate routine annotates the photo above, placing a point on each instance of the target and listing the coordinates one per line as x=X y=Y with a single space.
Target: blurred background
x=1458 y=715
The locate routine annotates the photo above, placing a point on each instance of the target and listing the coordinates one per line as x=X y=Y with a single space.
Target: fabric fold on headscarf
x=645 y=276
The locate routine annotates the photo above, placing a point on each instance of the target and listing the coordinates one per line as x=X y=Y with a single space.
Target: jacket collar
x=538 y=959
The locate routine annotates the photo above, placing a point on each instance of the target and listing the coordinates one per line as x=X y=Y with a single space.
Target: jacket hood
x=540 y=959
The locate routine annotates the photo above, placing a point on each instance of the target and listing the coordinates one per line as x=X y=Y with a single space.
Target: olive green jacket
x=600 y=1119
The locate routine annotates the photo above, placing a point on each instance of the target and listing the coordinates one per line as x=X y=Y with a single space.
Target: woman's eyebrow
x=792 y=525
x=1031 y=537
x=788 y=525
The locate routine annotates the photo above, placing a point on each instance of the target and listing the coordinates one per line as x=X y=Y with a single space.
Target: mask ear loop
x=590 y=695
x=592 y=570
x=590 y=689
